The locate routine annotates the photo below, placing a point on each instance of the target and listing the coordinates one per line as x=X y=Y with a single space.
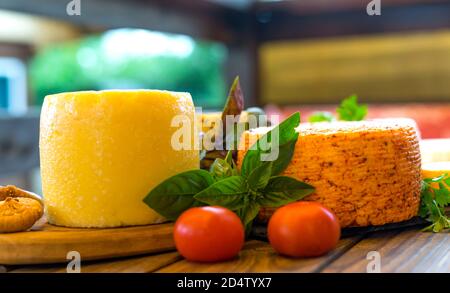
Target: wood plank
x=50 y=244
x=138 y=264
x=259 y=256
x=407 y=251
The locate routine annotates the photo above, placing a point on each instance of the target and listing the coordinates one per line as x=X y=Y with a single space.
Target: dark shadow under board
x=259 y=231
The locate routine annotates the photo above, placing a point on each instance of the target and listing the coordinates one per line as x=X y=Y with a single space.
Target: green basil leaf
x=442 y=195
x=248 y=213
x=286 y=134
x=220 y=169
x=447 y=182
x=229 y=193
x=321 y=117
x=423 y=211
x=426 y=197
x=285 y=153
x=284 y=157
x=251 y=162
x=442 y=224
x=223 y=168
x=424 y=186
x=176 y=194
x=282 y=190
x=286 y=129
x=350 y=110
x=229 y=159
x=260 y=176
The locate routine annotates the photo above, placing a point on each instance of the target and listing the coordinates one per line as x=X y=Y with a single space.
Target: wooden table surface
x=404 y=250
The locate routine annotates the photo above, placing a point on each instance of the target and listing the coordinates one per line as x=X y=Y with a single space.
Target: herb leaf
x=350 y=110
x=242 y=192
x=251 y=162
x=176 y=194
x=260 y=176
x=442 y=195
x=433 y=203
x=248 y=213
x=447 y=181
x=229 y=193
x=286 y=129
x=285 y=152
x=426 y=203
x=282 y=190
x=286 y=134
x=223 y=168
x=284 y=157
x=235 y=100
x=321 y=117
x=230 y=161
x=220 y=169
x=234 y=107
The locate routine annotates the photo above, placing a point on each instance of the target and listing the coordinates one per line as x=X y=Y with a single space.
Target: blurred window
x=131 y=59
x=397 y=67
x=4 y=92
x=13 y=87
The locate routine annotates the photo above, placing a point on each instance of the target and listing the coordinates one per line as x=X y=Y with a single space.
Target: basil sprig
x=222 y=168
x=257 y=185
x=282 y=136
x=176 y=194
x=348 y=110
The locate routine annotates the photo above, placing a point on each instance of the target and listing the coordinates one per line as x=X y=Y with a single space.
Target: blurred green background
x=132 y=58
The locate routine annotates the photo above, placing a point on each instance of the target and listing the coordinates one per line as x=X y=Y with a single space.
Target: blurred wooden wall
x=400 y=67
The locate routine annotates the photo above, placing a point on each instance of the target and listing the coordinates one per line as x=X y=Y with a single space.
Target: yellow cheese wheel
x=435 y=169
x=435 y=150
x=102 y=152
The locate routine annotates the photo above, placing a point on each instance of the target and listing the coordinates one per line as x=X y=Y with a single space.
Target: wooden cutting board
x=46 y=243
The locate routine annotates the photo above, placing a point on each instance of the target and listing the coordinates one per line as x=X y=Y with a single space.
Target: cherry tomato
x=303 y=229
x=209 y=234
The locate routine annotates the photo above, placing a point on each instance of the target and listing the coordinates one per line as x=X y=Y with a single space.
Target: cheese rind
x=102 y=152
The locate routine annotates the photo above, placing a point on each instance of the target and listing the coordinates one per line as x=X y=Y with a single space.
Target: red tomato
x=303 y=229
x=209 y=234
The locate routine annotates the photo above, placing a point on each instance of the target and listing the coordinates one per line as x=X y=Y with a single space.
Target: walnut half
x=19 y=209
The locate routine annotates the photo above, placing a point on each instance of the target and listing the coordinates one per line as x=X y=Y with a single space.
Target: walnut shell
x=19 y=209
x=19 y=214
x=12 y=191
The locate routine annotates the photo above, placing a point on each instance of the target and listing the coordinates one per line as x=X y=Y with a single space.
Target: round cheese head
x=366 y=172
x=102 y=152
